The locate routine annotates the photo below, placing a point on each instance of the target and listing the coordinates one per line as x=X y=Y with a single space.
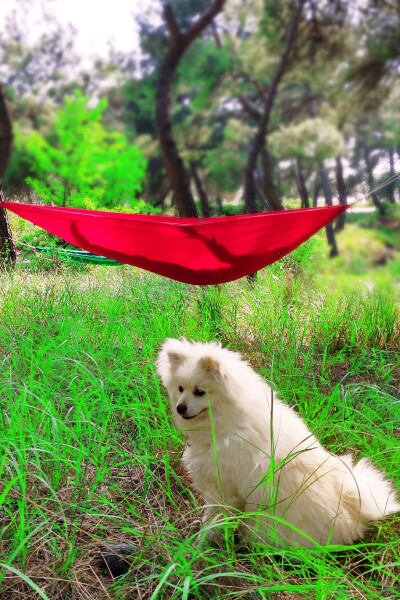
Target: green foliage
x=84 y=165
x=20 y=166
x=25 y=232
x=224 y=163
x=231 y=210
x=313 y=140
x=139 y=104
x=201 y=71
x=224 y=169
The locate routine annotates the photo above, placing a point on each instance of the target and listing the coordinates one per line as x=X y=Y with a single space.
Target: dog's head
x=194 y=375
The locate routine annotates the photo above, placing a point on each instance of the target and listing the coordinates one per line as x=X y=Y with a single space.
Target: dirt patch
x=392 y=223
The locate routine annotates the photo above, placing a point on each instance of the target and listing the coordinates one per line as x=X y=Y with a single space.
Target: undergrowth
x=90 y=456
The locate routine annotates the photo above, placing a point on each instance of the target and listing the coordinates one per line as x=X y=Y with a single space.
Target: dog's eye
x=199 y=393
x=180 y=388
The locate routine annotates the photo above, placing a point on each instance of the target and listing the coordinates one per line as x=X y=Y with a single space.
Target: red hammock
x=196 y=251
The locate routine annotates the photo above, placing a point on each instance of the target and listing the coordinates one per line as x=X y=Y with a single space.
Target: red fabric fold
x=195 y=251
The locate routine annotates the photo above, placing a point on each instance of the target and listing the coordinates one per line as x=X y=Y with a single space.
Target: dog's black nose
x=181 y=408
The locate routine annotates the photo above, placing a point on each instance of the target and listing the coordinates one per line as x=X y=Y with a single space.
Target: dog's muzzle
x=181 y=409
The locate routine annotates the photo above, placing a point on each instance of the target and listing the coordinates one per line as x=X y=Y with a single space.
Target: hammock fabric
x=195 y=251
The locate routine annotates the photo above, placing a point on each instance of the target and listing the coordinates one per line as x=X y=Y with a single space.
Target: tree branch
x=262 y=93
x=291 y=34
x=175 y=34
x=179 y=41
x=217 y=38
x=250 y=108
x=259 y=138
x=202 y=22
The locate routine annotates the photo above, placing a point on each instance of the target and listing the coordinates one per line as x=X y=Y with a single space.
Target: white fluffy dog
x=250 y=452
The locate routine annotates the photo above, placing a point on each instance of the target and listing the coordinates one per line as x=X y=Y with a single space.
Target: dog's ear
x=175 y=351
x=210 y=365
x=171 y=354
x=175 y=357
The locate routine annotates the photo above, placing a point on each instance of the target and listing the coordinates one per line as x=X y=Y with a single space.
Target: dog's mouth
x=187 y=418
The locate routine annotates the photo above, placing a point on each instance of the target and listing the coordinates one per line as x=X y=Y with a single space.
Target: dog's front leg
x=214 y=516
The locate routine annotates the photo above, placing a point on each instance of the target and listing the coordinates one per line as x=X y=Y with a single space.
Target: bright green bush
x=84 y=165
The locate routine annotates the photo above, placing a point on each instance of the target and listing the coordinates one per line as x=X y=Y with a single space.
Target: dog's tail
x=376 y=494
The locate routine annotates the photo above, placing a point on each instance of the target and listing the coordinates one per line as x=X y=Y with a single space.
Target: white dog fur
x=250 y=452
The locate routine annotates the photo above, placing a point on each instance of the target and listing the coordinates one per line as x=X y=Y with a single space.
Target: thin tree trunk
x=205 y=205
x=176 y=173
x=179 y=41
x=330 y=233
x=7 y=247
x=259 y=138
x=260 y=193
x=269 y=188
x=218 y=200
x=163 y=195
x=315 y=195
x=370 y=179
x=342 y=193
x=301 y=185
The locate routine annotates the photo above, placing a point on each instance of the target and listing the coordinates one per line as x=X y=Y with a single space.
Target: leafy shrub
x=84 y=165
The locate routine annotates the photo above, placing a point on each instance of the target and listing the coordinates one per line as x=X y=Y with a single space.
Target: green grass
x=386 y=229
x=89 y=453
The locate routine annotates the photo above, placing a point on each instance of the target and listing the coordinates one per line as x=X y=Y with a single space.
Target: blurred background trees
x=331 y=134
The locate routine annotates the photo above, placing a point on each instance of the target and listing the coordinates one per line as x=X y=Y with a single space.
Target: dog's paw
x=206 y=537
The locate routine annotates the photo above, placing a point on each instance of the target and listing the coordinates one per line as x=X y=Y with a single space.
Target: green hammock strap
x=79 y=256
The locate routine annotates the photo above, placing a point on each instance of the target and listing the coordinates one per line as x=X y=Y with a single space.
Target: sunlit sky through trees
x=97 y=24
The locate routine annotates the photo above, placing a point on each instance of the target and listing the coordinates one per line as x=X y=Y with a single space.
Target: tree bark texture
x=301 y=185
x=7 y=247
x=315 y=195
x=342 y=192
x=259 y=187
x=268 y=182
x=205 y=205
x=162 y=197
x=370 y=179
x=179 y=41
x=259 y=138
x=268 y=187
x=330 y=233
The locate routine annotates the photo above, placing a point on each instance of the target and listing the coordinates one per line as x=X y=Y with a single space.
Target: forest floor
x=90 y=457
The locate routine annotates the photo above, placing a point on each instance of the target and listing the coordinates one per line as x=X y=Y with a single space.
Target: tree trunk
x=315 y=195
x=259 y=138
x=260 y=192
x=179 y=41
x=342 y=193
x=218 y=200
x=301 y=185
x=205 y=205
x=370 y=179
x=176 y=173
x=269 y=188
x=163 y=195
x=330 y=234
x=7 y=247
